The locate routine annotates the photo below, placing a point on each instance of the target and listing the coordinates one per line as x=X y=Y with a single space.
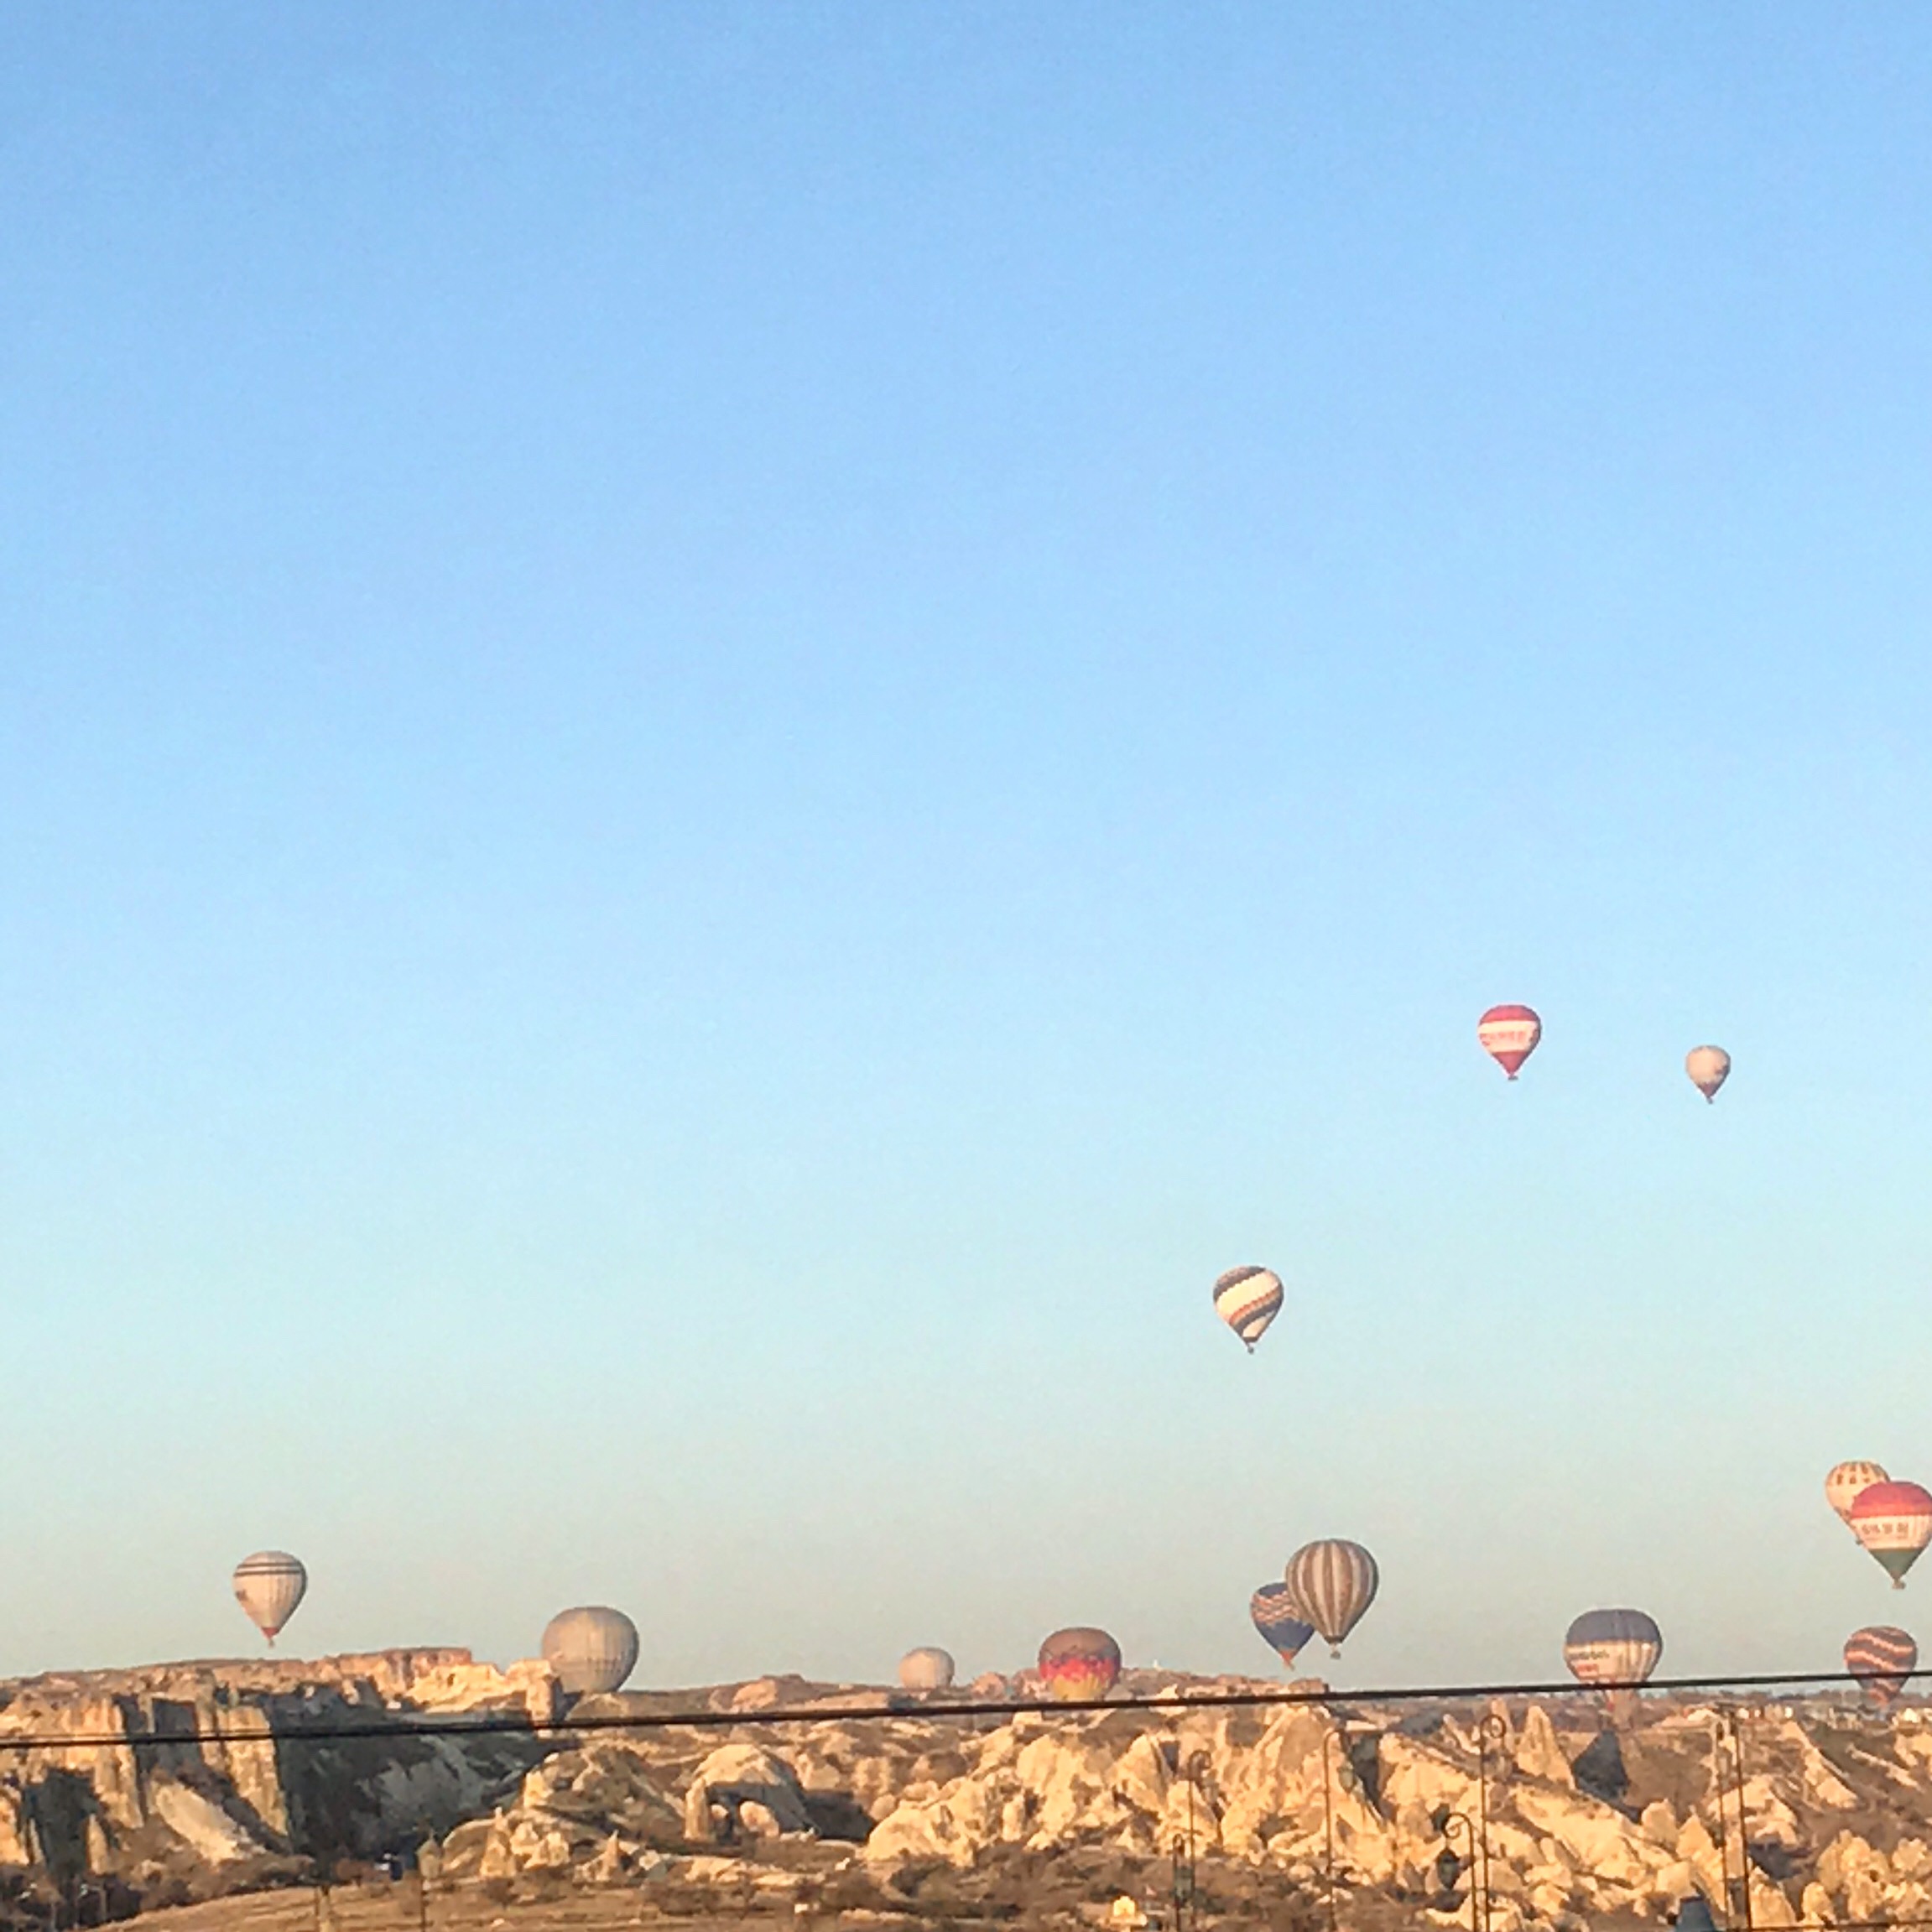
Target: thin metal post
x=1492 y=1731
x=1181 y=1889
x=1191 y=1850
x=1743 y=1827
x=1468 y=1825
x=1328 y=1823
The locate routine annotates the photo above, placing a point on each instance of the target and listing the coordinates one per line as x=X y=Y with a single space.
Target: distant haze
x=728 y=734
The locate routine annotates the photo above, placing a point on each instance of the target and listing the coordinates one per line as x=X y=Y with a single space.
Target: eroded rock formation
x=189 y=1780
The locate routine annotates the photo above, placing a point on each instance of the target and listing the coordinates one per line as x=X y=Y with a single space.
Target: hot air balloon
x=1509 y=1034
x=1892 y=1521
x=1709 y=1067
x=1620 y=1647
x=929 y=1667
x=269 y=1586
x=1280 y=1628
x=1843 y=1485
x=1079 y=1664
x=1881 y=1658
x=1330 y=1585
x=1247 y=1299
x=590 y=1648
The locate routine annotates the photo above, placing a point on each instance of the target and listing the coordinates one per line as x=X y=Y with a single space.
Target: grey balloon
x=929 y=1667
x=590 y=1648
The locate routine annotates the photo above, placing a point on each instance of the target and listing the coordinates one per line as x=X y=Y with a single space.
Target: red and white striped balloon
x=1892 y=1521
x=1509 y=1034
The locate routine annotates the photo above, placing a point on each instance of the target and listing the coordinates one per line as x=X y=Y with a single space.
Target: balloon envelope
x=1846 y=1481
x=928 y=1667
x=1509 y=1034
x=590 y=1648
x=1619 y=1646
x=269 y=1586
x=1330 y=1585
x=1078 y=1664
x=1274 y=1617
x=1247 y=1299
x=1892 y=1521
x=1881 y=1657
x=1709 y=1067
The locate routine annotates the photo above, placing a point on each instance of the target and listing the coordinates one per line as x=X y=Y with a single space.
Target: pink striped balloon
x=1508 y=1034
x=1882 y=1657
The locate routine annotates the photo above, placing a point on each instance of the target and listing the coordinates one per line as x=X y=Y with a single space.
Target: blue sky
x=727 y=734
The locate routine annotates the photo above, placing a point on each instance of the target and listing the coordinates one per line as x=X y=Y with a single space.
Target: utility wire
x=292 y=1729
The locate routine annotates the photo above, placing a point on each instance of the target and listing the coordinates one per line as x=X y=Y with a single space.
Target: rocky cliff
x=149 y=1787
x=177 y=1780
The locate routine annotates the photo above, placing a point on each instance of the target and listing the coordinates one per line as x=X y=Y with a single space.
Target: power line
x=508 y=1724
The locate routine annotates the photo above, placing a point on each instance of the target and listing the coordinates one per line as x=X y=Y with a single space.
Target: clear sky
x=728 y=734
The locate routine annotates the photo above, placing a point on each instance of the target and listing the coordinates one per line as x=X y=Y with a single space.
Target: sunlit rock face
x=197 y=1779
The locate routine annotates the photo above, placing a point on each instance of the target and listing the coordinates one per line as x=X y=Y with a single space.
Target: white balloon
x=928 y=1667
x=269 y=1586
x=591 y=1647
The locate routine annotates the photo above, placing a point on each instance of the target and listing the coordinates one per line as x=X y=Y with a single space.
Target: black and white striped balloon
x=1330 y=1585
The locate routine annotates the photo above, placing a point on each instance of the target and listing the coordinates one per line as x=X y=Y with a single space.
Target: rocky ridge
x=187 y=1781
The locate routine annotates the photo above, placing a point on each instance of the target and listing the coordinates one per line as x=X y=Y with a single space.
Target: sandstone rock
x=201 y=1823
x=1045 y=1799
x=1848 y=1854
x=1911 y=1858
x=1537 y=1753
x=1864 y=1894
x=758 y=1791
x=1595 y=1838
x=610 y=1862
x=701 y=1827
x=1769 y=1907
x=1698 y=1851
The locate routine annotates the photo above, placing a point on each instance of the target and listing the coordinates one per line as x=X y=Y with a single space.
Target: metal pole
x=1492 y=1731
x=1328 y=1824
x=1463 y=1818
x=1743 y=1828
x=1479 y=1877
x=1190 y=1852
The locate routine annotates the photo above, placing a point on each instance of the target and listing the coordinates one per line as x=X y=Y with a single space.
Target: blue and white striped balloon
x=1619 y=1646
x=1273 y=1615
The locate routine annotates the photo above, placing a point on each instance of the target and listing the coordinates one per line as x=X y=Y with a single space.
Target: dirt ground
x=1058 y=1895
